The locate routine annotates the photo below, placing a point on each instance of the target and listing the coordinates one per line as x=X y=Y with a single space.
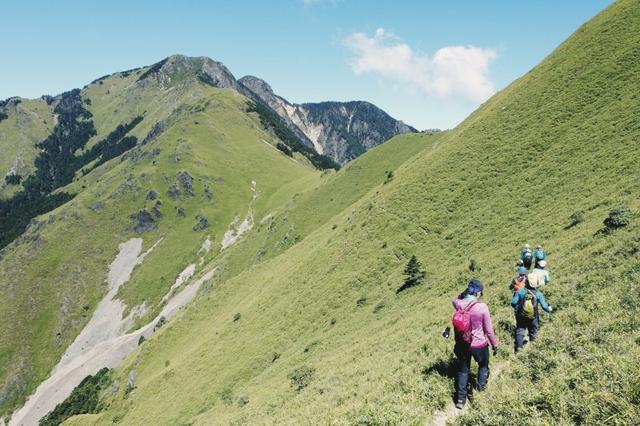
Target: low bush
x=301 y=377
x=619 y=217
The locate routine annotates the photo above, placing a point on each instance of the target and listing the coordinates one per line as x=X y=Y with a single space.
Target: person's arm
x=547 y=280
x=542 y=302
x=487 y=325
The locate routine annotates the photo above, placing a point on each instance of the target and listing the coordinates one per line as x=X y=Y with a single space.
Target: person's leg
x=481 y=355
x=533 y=329
x=519 y=336
x=463 y=354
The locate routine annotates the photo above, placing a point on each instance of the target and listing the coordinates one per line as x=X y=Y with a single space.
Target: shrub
x=619 y=217
x=161 y=321
x=389 y=177
x=473 y=265
x=301 y=377
x=285 y=149
x=378 y=306
x=236 y=317
x=227 y=396
x=361 y=300
x=575 y=219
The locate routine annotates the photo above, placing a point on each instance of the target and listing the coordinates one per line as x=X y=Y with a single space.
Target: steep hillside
x=319 y=334
x=341 y=130
x=25 y=123
x=202 y=166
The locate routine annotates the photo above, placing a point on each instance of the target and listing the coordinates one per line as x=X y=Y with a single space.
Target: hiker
x=542 y=273
x=520 y=281
x=472 y=325
x=526 y=256
x=525 y=304
x=539 y=255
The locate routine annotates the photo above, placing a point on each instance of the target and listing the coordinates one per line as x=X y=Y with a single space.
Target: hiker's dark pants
x=464 y=352
x=522 y=325
x=527 y=263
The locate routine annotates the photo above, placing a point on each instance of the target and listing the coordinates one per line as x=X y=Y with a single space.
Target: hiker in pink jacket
x=475 y=342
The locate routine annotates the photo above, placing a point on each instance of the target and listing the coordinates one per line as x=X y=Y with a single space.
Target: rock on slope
x=340 y=130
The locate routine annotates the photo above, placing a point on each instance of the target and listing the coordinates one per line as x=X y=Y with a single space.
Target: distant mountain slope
x=341 y=130
x=165 y=157
x=23 y=123
x=318 y=334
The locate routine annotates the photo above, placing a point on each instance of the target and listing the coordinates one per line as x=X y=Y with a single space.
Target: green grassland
x=308 y=345
x=27 y=123
x=302 y=323
x=64 y=256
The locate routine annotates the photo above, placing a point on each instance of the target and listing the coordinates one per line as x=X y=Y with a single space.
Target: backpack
x=535 y=278
x=528 y=306
x=527 y=255
x=461 y=321
x=539 y=255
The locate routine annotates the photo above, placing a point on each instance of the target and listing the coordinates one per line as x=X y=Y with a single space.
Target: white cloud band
x=452 y=72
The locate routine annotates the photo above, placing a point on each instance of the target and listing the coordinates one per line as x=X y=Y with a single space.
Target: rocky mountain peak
x=177 y=68
x=257 y=85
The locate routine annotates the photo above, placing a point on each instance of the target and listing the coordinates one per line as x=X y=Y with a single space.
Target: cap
x=475 y=286
x=522 y=270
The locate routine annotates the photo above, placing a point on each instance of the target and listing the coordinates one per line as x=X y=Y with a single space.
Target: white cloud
x=452 y=72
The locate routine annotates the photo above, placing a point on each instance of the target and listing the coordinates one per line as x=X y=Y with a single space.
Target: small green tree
x=414 y=274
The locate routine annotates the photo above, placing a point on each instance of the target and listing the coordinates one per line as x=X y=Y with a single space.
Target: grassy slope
x=561 y=139
x=28 y=123
x=305 y=211
x=65 y=257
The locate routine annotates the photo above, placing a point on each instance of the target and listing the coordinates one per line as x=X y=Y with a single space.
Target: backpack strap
x=469 y=306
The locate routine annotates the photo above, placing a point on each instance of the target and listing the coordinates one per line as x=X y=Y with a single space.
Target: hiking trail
x=450 y=412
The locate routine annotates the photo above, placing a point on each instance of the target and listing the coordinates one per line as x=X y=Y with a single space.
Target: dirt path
x=450 y=412
x=103 y=342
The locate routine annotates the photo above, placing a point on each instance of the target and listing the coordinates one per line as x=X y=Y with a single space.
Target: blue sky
x=427 y=63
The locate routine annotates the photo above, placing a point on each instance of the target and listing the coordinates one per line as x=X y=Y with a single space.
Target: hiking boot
x=460 y=405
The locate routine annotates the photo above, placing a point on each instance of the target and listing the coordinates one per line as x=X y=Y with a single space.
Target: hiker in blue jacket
x=525 y=303
x=526 y=256
x=539 y=255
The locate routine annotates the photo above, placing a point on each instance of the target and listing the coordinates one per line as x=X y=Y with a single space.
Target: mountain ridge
x=342 y=130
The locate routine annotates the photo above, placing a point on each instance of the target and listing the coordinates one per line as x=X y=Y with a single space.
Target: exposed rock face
x=340 y=130
x=261 y=89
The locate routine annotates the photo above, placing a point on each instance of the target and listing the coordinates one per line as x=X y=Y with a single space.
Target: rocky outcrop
x=340 y=130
